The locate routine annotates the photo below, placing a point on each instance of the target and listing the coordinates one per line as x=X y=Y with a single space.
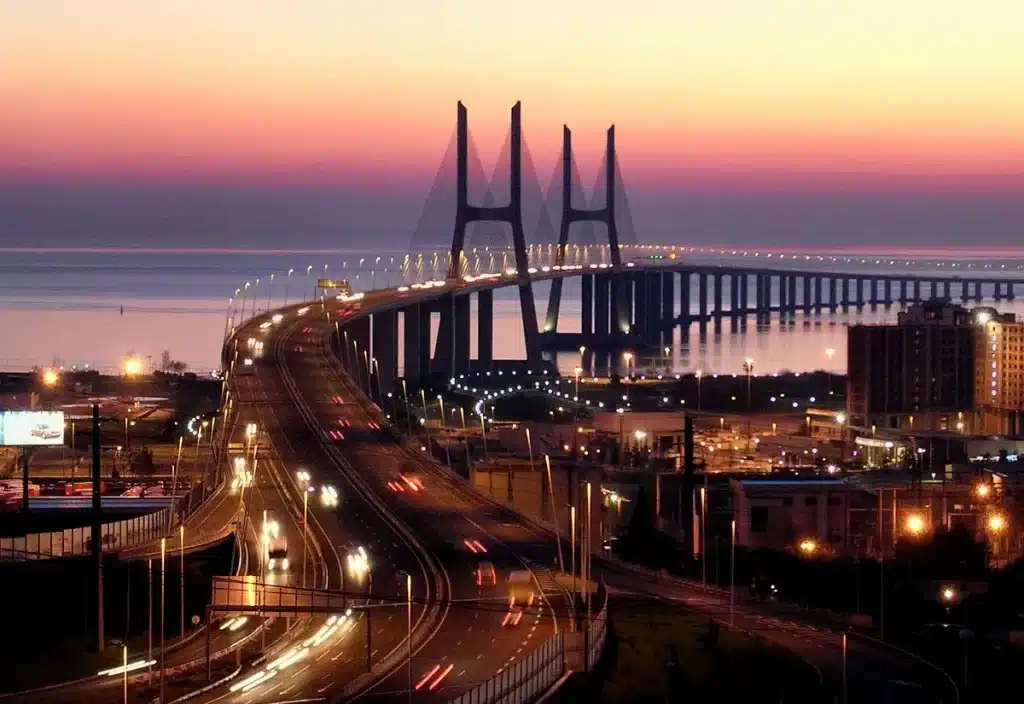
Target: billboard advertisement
x=26 y=428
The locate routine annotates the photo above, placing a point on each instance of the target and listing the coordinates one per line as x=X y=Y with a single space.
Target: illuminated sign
x=340 y=284
x=26 y=428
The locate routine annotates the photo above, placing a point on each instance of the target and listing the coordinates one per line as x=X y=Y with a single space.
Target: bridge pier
x=587 y=304
x=832 y=303
x=817 y=294
x=702 y=297
x=416 y=324
x=685 y=284
x=668 y=301
x=717 y=310
x=791 y=296
x=602 y=293
x=485 y=329
x=977 y=291
x=385 y=349
x=806 y=286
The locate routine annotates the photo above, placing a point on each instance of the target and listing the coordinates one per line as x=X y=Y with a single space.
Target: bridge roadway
x=871 y=667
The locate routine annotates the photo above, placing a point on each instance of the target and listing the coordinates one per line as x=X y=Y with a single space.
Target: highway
x=296 y=391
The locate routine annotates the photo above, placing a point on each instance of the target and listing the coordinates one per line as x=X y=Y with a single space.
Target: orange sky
x=367 y=88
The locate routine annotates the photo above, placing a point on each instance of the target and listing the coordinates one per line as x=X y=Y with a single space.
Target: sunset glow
x=254 y=89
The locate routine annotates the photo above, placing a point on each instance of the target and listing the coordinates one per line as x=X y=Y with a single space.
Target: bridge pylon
x=571 y=214
x=465 y=213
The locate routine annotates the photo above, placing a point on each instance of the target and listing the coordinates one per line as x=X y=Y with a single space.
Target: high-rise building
x=999 y=379
x=917 y=374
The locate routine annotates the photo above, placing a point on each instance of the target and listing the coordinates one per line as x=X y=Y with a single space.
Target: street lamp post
x=163 y=600
x=554 y=511
x=444 y=433
x=732 y=575
x=181 y=553
x=699 y=374
x=408 y=408
x=408 y=602
x=287 y=281
x=748 y=367
x=305 y=531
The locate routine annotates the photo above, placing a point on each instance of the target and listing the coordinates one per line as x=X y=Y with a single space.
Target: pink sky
x=365 y=91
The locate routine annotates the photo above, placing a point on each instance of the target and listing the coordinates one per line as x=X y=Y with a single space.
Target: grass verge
x=657 y=654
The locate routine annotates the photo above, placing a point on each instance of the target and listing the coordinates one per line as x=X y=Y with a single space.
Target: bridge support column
x=417 y=341
x=791 y=296
x=783 y=295
x=833 y=304
x=460 y=340
x=668 y=301
x=485 y=329
x=602 y=291
x=385 y=350
x=846 y=294
x=444 y=346
x=947 y=289
x=638 y=284
x=744 y=292
x=734 y=295
x=817 y=294
x=685 y=284
x=997 y=293
x=702 y=293
x=1009 y=292
x=807 y=294
x=977 y=291
x=717 y=297
x=587 y=304
x=934 y=289
x=888 y=293
x=917 y=291
x=860 y=292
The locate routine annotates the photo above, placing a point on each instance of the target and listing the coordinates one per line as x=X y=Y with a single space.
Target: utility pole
x=97 y=525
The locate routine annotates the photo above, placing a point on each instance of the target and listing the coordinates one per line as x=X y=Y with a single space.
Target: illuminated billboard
x=21 y=428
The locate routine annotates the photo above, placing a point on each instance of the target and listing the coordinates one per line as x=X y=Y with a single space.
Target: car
x=486 y=576
x=45 y=432
x=277 y=555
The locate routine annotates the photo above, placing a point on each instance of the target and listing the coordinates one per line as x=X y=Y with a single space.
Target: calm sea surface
x=66 y=306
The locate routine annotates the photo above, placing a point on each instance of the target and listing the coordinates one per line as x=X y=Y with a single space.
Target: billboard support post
x=24 y=477
x=97 y=526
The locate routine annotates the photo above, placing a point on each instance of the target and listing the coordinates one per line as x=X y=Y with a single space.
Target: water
x=66 y=305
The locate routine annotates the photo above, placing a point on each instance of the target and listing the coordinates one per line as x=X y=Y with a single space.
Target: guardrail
x=524 y=681
x=597 y=634
x=76 y=542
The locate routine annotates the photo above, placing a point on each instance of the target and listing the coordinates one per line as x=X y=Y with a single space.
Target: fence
x=597 y=632
x=78 y=541
x=524 y=681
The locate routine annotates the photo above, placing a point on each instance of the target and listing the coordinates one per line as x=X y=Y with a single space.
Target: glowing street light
x=915 y=524
x=982 y=491
x=50 y=378
x=995 y=523
x=808 y=546
x=948 y=594
x=132 y=366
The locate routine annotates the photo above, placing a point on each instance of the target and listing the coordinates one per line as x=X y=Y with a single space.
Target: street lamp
x=50 y=378
x=132 y=366
x=982 y=491
x=915 y=524
x=628 y=357
x=995 y=523
x=808 y=546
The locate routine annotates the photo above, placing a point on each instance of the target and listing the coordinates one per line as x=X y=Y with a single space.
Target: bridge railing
x=525 y=680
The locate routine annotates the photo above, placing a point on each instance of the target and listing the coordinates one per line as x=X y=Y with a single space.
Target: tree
x=168 y=365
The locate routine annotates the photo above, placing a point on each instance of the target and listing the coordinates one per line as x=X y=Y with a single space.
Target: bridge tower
x=511 y=214
x=571 y=214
